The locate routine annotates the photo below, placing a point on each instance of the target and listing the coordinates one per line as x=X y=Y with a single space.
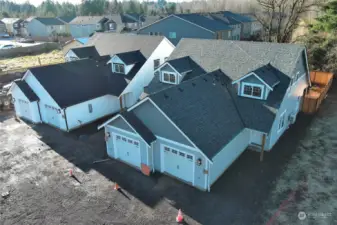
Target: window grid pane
x=247 y=90
x=172 y=78
x=257 y=91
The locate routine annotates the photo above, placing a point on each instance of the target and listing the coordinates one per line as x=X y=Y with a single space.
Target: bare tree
x=279 y=18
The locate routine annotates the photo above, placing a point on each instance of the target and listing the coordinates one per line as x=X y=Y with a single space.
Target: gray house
x=13 y=25
x=45 y=27
x=211 y=100
x=246 y=23
x=178 y=26
x=3 y=29
x=234 y=24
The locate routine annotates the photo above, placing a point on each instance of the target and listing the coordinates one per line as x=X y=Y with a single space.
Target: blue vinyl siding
x=80 y=31
x=37 y=29
x=252 y=79
x=182 y=29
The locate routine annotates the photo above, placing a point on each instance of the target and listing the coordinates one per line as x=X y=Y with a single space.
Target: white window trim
x=252 y=85
x=282 y=128
x=171 y=73
x=113 y=64
x=175 y=34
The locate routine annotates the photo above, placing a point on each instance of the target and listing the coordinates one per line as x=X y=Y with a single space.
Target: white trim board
x=170 y=73
x=252 y=85
x=250 y=74
x=164 y=64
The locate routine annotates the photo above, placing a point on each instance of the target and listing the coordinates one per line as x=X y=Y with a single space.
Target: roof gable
x=131 y=57
x=203 y=21
x=26 y=90
x=86 y=52
x=49 y=21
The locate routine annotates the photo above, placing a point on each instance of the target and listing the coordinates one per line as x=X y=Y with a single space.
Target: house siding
x=82 y=30
x=291 y=103
x=182 y=28
x=120 y=123
x=116 y=59
x=236 y=32
x=158 y=124
x=228 y=155
x=37 y=29
x=146 y=73
x=78 y=115
x=246 y=29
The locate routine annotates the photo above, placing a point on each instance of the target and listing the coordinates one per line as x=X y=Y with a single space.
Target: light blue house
x=178 y=26
x=45 y=27
x=208 y=103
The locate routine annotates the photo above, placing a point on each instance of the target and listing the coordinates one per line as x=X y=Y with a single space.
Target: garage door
x=24 y=109
x=178 y=163
x=52 y=116
x=128 y=150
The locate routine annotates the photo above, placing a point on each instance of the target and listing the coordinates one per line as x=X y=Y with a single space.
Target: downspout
x=38 y=106
x=65 y=117
x=209 y=174
x=152 y=157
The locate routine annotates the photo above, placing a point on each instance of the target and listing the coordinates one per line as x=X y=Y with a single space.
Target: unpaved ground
x=34 y=164
x=25 y=62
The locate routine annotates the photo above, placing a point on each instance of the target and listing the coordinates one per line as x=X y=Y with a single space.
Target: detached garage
x=25 y=102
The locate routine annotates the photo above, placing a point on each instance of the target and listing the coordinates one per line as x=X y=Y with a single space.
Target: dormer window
x=119 y=68
x=252 y=90
x=169 y=78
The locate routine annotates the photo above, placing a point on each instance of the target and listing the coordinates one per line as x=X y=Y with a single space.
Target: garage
x=178 y=163
x=52 y=116
x=128 y=150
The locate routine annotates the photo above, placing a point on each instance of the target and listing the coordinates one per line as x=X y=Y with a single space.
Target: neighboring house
x=66 y=20
x=246 y=23
x=211 y=100
x=257 y=27
x=234 y=24
x=85 y=26
x=24 y=26
x=3 y=29
x=74 y=43
x=13 y=25
x=88 y=52
x=68 y=95
x=45 y=27
x=132 y=21
x=154 y=49
x=176 y=27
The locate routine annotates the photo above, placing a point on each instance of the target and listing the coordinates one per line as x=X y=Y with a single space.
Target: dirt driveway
x=35 y=159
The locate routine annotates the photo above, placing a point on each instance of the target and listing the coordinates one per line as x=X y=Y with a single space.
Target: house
x=132 y=21
x=74 y=43
x=45 y=27
x=211 y=100
x=3 y=29
x=85 y=26
x=72 y=94
x=234 y=24
x=24 y=26
x=246 y=23
x=66 y=20
x=13 y=25
x=178 y=26
x=155 y=49
x=87 y=52
x=257 y=27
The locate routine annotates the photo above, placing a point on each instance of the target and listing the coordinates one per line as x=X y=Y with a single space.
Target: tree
x=171 y=8
x=279 y=18
x=328 y=21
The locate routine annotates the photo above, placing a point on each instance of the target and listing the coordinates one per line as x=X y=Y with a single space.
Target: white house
x=209 y=102
x=70 y=95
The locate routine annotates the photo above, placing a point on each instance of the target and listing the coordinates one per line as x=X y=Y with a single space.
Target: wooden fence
x=314 y=95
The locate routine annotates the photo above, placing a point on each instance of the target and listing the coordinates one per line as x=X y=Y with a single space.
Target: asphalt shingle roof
x=268 y=74
x=138 y=125
x=224 y=19
x=111 y=43
x=67 y=19
x=87 y=20
x=49 y=21
x=132 y=18
x=204 y=22
x=238 y=58
x=86 y=52
x=204 y=110
x=238 y=17
x=78 y=81
x=131 y=57
x=28 y=92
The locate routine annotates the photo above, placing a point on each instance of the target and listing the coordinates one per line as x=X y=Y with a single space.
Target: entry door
x=25 y=109
x=178 y=163
x=128 y=150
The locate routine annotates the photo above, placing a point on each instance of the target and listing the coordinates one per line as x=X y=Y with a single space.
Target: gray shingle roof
x=205 y=22
x=111 y=43
x=87 y=20
x=86 y=52
x=138 y=125
x=78 y=81
x=203 y=109
x=238 y=58
x=49 y=21
x=224 y=19
x=28 y=92
x=67 y=19
x=238 y=17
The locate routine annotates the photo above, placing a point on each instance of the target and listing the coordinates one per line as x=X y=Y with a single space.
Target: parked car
x=25 y=40
x=8 y=46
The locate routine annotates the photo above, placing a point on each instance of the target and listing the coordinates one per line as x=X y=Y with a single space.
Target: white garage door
x=128 y=150
x=24 y=109
x=52 y=116
x=178 y=163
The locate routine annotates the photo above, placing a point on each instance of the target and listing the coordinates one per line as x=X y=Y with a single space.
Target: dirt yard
x=298 y=175
x=24 y=62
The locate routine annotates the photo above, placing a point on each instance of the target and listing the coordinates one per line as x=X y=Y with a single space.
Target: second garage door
x=128 y=150
x=25 y=110
x=178 y=163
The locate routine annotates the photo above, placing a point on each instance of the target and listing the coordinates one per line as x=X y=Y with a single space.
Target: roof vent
x=205 y=79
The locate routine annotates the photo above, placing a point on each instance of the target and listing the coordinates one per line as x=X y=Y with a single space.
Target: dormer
x=258 y=83
x=127 y=63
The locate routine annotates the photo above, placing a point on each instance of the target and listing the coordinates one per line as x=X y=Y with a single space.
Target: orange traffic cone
x=116 y=187
x=180 y=217
x=71 y=173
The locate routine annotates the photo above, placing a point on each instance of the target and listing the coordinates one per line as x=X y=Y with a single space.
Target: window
x=172 y=35
x=174 y=151
x=169 y=77
x=252 y=90
x=118 y=137
x=182 y=154
x=190 y=157
x=151 y=33
x=167 y=149
x=90 y=108
x=124 y=139
x=136 y=143
x=119 y=68
x=282 y=121
x=156 y=63
x=130 y=141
